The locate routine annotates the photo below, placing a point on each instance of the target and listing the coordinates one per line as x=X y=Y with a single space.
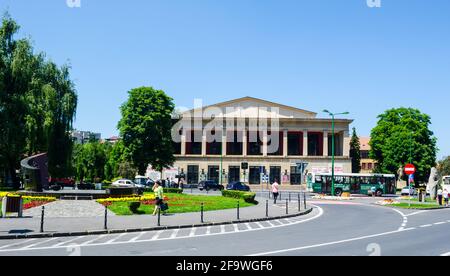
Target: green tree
x=444 y=166
x=37 y=105
x=146 y=126
x=355 y=152
x=401 y=136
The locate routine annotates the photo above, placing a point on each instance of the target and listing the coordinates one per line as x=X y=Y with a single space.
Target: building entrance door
x=296 y=176
x=275 y=174
x=255 y=176
x=213 y=173
x=234 y=174
x=192 y=174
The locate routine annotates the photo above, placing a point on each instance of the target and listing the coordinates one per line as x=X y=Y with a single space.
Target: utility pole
x=333 y=146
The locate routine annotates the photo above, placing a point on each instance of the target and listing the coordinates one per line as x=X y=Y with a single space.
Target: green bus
x=364 y=184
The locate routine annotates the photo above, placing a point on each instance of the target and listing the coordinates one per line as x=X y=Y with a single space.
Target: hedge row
x=246 y=196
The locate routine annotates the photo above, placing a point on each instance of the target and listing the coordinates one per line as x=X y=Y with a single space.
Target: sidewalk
x=72 y=226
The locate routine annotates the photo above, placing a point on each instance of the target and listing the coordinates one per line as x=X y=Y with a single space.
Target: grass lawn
x=182 y=203
x=405 y=205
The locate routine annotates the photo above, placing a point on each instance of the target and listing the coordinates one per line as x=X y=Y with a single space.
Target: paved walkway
x=69 y=209
x=93 y=218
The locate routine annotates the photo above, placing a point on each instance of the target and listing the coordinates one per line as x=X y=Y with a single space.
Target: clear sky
x=312 y=54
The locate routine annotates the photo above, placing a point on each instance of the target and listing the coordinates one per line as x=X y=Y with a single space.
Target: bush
x=246 y=196
x=134 y=206
x=173 y=191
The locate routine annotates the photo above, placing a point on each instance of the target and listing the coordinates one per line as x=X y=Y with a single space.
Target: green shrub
x=246 y=196
x=134 y=206
x=173 y=191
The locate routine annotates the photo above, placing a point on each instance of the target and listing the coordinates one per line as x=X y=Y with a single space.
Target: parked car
x=123 y=183
x=238 y=186
x=210 y=185
x=57 y=184
x=406 y=191
x=141 y=182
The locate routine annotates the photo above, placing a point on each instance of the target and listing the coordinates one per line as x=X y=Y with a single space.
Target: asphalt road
x=350 y=229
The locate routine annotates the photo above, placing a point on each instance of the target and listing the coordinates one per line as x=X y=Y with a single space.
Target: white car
x=123 y=183
x=407 y=191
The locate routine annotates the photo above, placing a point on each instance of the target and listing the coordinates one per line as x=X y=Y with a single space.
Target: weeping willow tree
x=37 y=105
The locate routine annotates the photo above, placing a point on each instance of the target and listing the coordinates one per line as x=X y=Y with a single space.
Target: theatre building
x=257 y=141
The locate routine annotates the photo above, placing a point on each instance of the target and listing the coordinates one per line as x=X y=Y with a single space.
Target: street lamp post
x=333 y=115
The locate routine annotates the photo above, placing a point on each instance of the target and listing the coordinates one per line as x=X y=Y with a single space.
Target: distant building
x=257 y=141
x=82 y=137
x=367 y=164
x=112 y=139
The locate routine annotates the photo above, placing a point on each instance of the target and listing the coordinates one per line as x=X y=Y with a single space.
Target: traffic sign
x=410 y=169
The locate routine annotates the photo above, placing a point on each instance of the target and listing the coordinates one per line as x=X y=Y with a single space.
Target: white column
x=204 y=142
x=224 y=142
x=265 y=141
x=325 y=143
x=183 y=143
x=244 y=142
x=305 y=142
x=285 y=143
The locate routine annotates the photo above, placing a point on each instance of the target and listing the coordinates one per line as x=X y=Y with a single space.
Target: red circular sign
x=410 y=169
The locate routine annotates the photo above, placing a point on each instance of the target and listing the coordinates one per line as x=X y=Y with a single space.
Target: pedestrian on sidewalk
x=445 y=196
x=275 y=191
x=439 y=197
x=159 y=196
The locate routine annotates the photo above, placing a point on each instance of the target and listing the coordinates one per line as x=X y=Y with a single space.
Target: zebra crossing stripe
x=192 y=233
x=156 y=236
x=17 y=243
x=174 y=233
x=39 y=243
x=93 y=240
x=69 y=241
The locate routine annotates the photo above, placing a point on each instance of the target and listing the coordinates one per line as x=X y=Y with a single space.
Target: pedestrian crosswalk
x=140 y=237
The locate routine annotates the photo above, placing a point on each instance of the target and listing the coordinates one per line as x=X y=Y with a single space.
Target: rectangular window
x=194 y=142
x=315 y=144
x=214 y=147
x=192 y=175
x=275 y=148
x=295 y=143
x=234 y=143
x=254 y=143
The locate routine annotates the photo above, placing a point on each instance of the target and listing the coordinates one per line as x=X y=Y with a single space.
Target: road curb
x=149 y=229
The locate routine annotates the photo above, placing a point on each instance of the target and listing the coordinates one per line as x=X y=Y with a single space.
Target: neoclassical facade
x=257 y=142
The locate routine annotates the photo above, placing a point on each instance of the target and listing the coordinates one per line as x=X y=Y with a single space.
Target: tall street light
x=333 y=115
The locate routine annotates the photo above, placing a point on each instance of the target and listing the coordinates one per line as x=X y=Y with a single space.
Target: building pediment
x=249 y=107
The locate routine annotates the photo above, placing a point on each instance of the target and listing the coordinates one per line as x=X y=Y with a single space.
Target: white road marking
x=445 y=254
x=248 y=226
x=270 y=223
x=138 y=237
x=156 y=236
x=39 y=243
x=208 y=230
x=440 y=223
x=259 y=225
x=327 y=244
x=192 y=233
x=93 y=240
x=426 y=225
x=69 y=241
x=415 y=213
x=17 y=243
x=174 y=233
x=116 y=238
x=236 y=228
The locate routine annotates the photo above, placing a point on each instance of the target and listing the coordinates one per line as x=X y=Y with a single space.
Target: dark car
x=238 y=186
x=210 y=185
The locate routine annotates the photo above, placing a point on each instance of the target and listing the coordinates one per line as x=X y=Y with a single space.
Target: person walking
x=439 y=197
x=445 y=195
x=275 y=191
x=159 y=196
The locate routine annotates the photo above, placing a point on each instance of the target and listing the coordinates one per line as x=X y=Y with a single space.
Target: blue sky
x=312 y=54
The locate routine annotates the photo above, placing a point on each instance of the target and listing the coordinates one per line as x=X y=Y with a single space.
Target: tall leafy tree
x=401 y=136
x=37 y=105
x=146 y=126
x=444 y=166
x=355 y=152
